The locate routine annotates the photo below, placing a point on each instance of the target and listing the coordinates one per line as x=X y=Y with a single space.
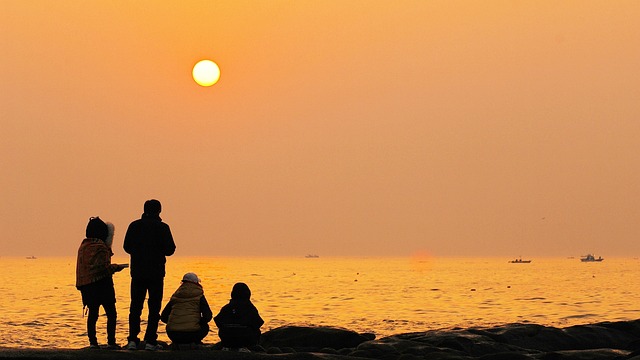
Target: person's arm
x=129 y=240
x=114 y=268
x=205 y=310
x=256 y=320
x=169 y=244
x=106 y=255
x=102 y=258
x=220 y=318
x=166 y=312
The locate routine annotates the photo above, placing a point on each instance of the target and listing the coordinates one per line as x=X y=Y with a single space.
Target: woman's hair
x=97 y=229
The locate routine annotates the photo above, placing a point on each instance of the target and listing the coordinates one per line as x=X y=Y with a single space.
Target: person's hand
x=121 y=267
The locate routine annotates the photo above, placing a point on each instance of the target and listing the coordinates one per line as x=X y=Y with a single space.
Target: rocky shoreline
x=599 y=341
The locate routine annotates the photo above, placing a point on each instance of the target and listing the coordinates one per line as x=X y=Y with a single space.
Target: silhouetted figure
x=187 y=314
x=239 y=321
x=149 y=241
x=94 y=279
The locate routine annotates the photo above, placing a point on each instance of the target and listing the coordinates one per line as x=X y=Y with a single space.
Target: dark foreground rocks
x=600 y=341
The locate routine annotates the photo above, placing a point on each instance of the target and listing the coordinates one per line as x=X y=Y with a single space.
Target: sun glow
x=206 y=73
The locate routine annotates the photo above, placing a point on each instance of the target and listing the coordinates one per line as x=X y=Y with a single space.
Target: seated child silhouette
x=239 y=321
x=187 y=314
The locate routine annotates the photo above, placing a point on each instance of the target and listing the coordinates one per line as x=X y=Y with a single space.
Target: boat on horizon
x=32 y=257
x=311 y=256
x=519 y=261
x=590 y=258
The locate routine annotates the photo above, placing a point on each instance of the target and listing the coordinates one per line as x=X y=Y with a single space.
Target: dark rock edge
x=599 y=341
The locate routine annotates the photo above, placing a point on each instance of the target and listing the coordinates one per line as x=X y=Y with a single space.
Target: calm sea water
x=41 y=307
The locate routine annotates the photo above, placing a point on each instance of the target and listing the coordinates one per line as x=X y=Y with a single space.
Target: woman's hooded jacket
x=94 y=254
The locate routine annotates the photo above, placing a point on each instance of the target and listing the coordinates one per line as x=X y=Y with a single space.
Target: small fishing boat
x=591 y=258
x=311 y=256
x=31 y=257
x=520 y=261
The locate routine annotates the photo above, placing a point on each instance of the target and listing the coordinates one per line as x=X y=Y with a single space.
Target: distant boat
x=519 y=261
x=31 y=257
x=311 y=256
x=591 y=258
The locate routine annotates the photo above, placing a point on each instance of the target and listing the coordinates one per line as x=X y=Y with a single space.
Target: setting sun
x=206 y=73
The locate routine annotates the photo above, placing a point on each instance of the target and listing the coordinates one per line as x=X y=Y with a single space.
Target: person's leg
x=234 y=336
x=204 y=330
x=174 y=336
x=180 y=337
x=138 y=293
x=92 y=319
x=248 y=338
x=156 y=288
x=112 y=318
x=224 y=337
x=254 y=337
x=188 y=337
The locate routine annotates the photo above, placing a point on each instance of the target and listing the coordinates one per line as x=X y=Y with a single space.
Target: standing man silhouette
x=149 y=241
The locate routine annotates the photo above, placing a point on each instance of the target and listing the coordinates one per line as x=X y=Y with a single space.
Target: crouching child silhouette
x=239 y=321
x=187 y=314
x=94 y=279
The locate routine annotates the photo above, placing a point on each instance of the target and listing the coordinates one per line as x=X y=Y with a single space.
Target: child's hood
x=188 y=290
x=110 y=231
x=240 y=292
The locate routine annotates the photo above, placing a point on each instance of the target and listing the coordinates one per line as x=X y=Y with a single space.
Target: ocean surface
x=40 y=306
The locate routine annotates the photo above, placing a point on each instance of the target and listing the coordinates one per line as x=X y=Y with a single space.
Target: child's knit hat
x=191 y=277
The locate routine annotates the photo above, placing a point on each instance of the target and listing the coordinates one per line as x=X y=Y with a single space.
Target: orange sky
x=343 y=128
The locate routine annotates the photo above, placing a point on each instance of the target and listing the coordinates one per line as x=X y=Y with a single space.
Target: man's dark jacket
x=148 y=240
